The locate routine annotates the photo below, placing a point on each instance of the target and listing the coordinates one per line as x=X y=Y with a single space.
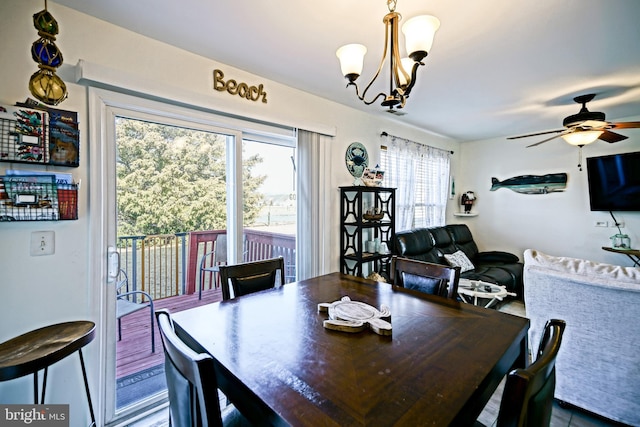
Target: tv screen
x=614 y=182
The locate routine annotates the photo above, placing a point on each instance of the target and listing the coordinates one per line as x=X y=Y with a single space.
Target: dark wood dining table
x=280 y=366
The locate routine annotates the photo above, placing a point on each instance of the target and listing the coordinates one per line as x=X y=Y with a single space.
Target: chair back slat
x=435 y=279
x=251 y=277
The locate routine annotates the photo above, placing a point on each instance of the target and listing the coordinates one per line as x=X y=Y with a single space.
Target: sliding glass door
x=178 y=195
x=270 y=208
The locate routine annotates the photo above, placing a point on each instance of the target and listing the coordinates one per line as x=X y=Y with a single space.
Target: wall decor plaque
x=532 y=184
x=243 y=90
x=357 y=160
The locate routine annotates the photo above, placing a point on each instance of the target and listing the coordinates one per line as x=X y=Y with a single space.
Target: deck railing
x=169 y=264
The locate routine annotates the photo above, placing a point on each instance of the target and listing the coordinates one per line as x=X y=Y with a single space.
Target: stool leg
x=44 y=384
x=86 y=387
x=35 y=388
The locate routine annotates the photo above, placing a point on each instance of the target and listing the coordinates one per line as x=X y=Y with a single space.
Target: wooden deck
x=133 y=352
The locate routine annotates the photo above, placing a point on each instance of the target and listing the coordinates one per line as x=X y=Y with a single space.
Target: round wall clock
x=356 y=159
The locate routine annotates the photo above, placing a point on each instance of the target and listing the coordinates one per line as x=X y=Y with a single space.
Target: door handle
x=113 y=264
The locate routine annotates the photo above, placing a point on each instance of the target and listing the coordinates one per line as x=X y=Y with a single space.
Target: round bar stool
x=41 y=348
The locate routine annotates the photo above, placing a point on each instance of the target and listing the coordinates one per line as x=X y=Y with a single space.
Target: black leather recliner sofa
x=431 y=244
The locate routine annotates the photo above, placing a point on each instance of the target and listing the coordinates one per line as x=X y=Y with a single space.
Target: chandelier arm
x=396 y=63
x=361 y=97
x=414 y=75
x=386 y=20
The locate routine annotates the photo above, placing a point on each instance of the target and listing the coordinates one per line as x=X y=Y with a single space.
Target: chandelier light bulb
x=351 y=58
x=419 y=32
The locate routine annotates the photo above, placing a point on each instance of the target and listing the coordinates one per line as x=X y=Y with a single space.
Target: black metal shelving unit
x=355 y=230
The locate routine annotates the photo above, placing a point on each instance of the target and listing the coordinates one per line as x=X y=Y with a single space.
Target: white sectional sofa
x=598 y=366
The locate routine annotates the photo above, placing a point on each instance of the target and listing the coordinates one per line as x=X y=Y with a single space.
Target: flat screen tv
x=614 y=182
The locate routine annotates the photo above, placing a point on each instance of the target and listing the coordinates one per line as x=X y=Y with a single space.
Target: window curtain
x=313 y=203
x=420 y=174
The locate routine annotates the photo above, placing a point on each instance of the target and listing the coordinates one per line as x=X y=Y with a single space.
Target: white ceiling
x=497 y=67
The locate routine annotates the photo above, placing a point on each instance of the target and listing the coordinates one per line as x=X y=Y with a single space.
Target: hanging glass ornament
x=45 y=22
x=47 y=87
x=44 y=84
x=45 y=52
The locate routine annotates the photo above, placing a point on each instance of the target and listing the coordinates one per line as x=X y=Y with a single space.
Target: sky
x=276 y=165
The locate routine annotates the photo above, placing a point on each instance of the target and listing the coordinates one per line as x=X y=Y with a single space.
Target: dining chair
x=191 y=383
x=211 y=261
x=249 y=277
x=430 y=278
x=527 y=398
x=127 y=303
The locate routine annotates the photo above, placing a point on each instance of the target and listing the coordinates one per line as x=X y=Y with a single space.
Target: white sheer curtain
x=420 y=174
x=313 y=203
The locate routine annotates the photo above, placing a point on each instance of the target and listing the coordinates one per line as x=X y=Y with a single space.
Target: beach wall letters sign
x=532 y=184
x=243 y=90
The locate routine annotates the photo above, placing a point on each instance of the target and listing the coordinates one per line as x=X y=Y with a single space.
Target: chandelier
x=418 y=33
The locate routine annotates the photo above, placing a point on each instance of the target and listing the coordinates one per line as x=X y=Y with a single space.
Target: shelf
x=369 y=223
x=465 y=214
x=365 y=189
x=356 y=232
x=366 y=257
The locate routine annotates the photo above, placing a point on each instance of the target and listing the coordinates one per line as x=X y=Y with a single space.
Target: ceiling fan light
x=351 y=58
x=418 y=33
x=582 y=137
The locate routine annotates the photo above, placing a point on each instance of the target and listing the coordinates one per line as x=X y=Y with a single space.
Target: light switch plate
x=43 y=243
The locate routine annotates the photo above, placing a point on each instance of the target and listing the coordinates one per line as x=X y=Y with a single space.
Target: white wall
x=557 y=223
x=36 y=291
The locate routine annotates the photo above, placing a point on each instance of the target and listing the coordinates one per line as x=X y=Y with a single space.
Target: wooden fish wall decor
x=532 y=184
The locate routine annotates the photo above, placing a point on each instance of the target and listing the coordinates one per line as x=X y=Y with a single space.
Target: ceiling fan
x=585 y=127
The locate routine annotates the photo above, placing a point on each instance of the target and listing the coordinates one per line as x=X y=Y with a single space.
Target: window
x=420 y=175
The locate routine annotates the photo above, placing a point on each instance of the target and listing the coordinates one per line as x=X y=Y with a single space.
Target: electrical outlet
x=619 y=224
x=602 y=224
x=42 y=243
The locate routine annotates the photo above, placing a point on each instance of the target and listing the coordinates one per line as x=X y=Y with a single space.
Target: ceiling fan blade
x=546 y=140
x=611 y=137
x=536 y=134
x=625 y=125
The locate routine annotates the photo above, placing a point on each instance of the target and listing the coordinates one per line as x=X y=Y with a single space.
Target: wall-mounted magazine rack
x=35 y=136
x=37 y=198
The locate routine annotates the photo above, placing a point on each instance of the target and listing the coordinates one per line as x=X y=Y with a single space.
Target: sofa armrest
x=496 y=256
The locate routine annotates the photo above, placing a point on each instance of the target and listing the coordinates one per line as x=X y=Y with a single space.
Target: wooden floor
x=133 y=352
